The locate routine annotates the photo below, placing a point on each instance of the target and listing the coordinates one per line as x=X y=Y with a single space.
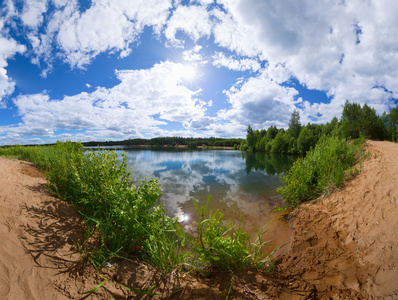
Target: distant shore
x=203 y=147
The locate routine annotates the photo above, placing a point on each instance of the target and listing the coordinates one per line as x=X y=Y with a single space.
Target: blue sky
x=119 y=69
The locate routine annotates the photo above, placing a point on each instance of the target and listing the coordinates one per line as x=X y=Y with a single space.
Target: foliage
x=225 y=246
x=390 y=124
x=280 y=143
x=324 y=168
x=351 y=120
x=305 y=141
x=356 y=121
x=192 y=143
x=294 y=124
x=126 y=220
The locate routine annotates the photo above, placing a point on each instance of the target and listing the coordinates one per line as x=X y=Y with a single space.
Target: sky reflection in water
x=242 y=185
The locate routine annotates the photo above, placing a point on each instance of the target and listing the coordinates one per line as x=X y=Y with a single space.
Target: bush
x=125 y=218
x=324 y=168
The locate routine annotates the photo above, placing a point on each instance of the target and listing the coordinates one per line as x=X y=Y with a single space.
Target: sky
x=122 y=69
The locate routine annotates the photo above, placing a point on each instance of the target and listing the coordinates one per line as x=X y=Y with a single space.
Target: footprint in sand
x=4 y=286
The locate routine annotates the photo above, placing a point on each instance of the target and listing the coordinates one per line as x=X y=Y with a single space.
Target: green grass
x=324 y=168
x=224 y=246
x=126 y=220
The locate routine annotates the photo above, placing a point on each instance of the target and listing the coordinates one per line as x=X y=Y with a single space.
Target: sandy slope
x=344 y=247
x=22 y=276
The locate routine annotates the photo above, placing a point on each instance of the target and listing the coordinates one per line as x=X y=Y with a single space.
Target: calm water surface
x=242 y=185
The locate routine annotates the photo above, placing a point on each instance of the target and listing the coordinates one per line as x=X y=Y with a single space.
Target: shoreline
x=344 y=246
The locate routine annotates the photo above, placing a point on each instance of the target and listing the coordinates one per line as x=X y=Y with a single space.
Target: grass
x=324 y=168
x=224 y=246
x=126 y=220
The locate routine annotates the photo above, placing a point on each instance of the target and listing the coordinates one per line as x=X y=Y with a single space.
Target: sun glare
x=183 y=218
x=188 y=73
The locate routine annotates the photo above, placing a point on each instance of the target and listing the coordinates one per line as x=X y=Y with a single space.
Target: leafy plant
x=126 y=220
x=323 y=169
x=225 y=246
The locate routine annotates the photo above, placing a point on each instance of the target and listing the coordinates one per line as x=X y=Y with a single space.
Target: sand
x=344 y=246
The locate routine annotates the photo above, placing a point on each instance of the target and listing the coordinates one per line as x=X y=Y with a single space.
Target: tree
x=250 y=137
x=305 y=140
x=369 y=122
x=257 y=141
x=391 y=122
x=280 y=144
x=351 y=120
x=294 y=124
x=271 y=133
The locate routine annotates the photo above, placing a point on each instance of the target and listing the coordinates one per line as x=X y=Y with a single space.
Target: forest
x=356 y=121
x=192 y=143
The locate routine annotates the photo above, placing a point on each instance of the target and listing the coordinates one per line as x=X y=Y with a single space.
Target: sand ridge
x=343 y=247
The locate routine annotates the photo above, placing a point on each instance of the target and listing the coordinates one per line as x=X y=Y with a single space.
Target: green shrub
x=224 y=246
x=126 y=219
x=324 y=168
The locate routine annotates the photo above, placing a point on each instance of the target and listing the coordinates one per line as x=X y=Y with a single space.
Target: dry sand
x=343 y=247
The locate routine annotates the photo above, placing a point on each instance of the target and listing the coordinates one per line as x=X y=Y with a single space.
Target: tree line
x=192 y=143
x=356 y=121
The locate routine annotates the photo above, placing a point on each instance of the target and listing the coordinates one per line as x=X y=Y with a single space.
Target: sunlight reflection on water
x=242 y=185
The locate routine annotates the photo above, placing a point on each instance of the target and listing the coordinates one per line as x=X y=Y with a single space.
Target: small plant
x=225 y=246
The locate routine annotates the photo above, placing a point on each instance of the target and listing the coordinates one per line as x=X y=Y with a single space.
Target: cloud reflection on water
x=223 y=174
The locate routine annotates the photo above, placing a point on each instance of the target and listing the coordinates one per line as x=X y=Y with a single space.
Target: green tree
x=351 y=120
x=294 y=124
x=280 y=144
x=250 y=138
x=271 y=133
x=257 y=141
x=391 y=121
x=369 y=122
x=305 y=140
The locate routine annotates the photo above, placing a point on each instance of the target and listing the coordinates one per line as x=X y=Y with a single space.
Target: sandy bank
x=344 y=247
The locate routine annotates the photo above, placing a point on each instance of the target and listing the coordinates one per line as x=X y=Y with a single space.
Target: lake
x=242 y=185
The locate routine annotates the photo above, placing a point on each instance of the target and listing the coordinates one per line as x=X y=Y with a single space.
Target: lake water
x=242 y=185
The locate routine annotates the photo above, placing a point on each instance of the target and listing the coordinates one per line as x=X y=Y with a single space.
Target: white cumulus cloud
x=194 y=21
x=232 y=63
x=144 y=100
x=106 y=26
x=32 y=13
x=344 y=48
x=260 y=102
x=8 y=48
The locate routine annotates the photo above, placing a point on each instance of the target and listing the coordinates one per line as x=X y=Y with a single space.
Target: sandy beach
x=344 y=246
